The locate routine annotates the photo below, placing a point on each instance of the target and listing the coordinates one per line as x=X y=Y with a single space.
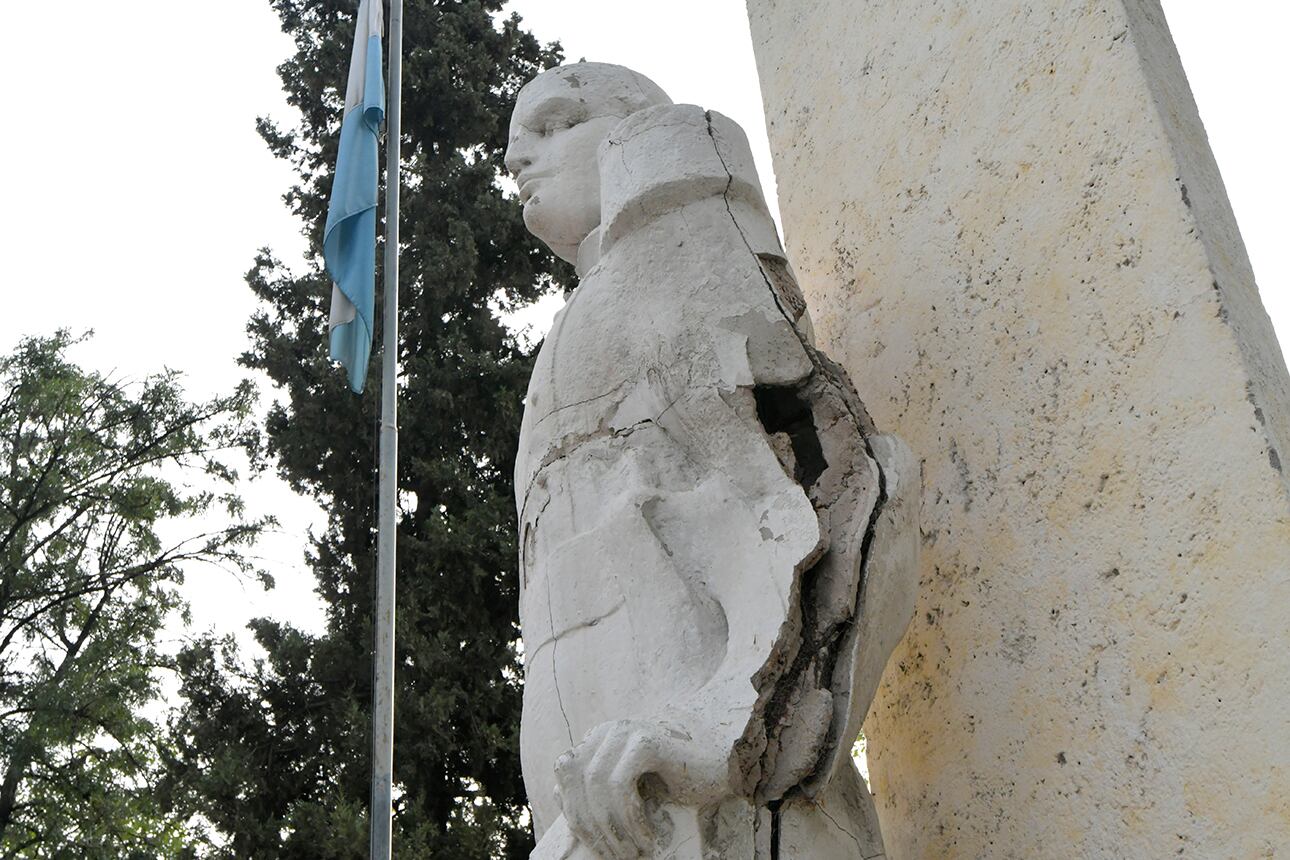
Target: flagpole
x=383 y=689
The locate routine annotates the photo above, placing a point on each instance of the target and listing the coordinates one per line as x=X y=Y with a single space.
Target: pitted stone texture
x=699 y=494
x=1013 y=235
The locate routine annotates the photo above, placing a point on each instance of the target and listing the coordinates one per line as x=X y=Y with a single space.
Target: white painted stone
x=696 y=494
x=1013 y=235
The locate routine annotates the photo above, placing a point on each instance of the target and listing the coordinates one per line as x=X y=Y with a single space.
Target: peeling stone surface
x=1012 y=233
x=700 y=493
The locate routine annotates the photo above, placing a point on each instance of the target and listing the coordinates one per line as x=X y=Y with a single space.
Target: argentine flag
x=349 y=240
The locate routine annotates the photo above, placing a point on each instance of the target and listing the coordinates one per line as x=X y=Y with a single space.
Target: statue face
x=558 y=124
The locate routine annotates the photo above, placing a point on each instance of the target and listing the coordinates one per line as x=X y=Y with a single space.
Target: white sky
x=137 y=190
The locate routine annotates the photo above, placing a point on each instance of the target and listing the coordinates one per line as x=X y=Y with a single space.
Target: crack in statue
x=717 y=549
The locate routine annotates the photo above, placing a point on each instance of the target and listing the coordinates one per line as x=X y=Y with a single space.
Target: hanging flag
x=349 y=240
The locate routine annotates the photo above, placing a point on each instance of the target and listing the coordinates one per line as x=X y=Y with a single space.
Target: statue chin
x=561 y=228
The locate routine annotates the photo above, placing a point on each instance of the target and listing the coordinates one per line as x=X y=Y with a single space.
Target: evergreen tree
x=276 y=756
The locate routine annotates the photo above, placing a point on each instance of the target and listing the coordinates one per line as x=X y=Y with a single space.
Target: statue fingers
x=639 y=759
x=583 y=799
x=610 y=795
x=572 y=794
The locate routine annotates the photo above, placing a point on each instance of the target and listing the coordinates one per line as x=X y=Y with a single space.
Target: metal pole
x=383 y=691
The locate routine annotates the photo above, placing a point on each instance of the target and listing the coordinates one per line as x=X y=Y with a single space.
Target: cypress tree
x=275 y=755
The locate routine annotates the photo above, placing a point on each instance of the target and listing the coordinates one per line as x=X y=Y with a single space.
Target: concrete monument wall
x=1011 y=231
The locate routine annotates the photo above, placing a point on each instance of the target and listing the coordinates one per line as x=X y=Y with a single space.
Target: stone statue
x=717 y=550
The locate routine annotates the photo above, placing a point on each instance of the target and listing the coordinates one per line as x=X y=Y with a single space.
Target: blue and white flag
x=349 y=240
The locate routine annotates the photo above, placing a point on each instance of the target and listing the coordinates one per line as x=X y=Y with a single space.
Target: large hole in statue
x=782 y=410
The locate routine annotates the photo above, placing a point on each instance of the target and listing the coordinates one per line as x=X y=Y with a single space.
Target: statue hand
x=603 y=790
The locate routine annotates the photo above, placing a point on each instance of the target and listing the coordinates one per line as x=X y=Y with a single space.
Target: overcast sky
x=136 y=190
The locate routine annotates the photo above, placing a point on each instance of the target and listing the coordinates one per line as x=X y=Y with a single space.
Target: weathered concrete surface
x=1012 y=233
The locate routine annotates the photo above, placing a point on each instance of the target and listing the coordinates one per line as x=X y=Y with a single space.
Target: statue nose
x=516 y=161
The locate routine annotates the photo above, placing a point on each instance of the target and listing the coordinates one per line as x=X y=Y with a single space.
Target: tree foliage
x=90 y=473
x=276 y=754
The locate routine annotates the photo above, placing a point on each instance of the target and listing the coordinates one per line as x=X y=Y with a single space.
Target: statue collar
x=588 y=253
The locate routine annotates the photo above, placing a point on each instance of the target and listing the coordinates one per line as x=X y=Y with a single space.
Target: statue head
x=560 y=119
